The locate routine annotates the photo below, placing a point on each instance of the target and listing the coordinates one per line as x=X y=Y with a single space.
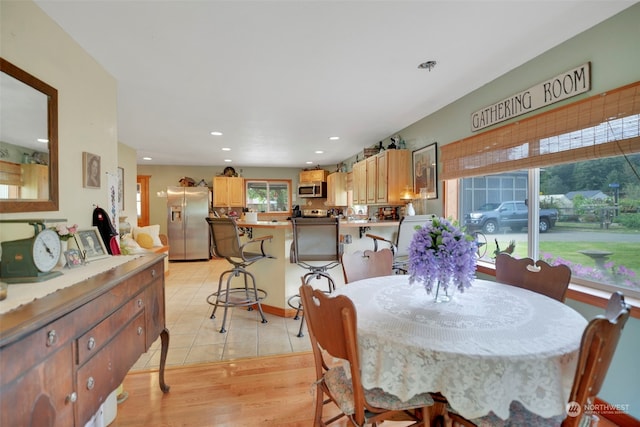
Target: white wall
x=87 y=112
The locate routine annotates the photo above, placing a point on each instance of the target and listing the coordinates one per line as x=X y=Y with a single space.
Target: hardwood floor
x=264 y=391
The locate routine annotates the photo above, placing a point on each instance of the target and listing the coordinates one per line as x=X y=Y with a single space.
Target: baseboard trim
x=277 y=311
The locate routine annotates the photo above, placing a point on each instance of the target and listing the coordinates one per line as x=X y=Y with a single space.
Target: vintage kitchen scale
x=32 y=259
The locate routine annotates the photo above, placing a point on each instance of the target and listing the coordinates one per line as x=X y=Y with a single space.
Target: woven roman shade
x=603 y=125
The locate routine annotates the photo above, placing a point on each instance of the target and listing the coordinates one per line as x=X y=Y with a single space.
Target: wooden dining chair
x=332 y=326
x=552 y=281
x=400 y=244
x=363 y=265
x=599 y=341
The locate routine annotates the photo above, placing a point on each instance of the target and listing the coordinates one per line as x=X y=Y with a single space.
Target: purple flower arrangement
x=440 y=253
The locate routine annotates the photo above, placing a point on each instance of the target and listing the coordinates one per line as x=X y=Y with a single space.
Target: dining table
x=488 y=346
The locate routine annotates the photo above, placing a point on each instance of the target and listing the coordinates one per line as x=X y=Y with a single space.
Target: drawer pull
x=52 y=338
x=140 y=302
x=153 y=272
x=90 y=383
x=72 y=398
x=91 y=344
x=140 y=330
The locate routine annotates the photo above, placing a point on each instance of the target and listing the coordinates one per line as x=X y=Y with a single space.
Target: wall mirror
x=28 y=142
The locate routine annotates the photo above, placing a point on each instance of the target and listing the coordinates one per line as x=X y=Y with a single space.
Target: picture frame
x=425 y=171
x=90 y=244
x=90 y=170
x=120 y=188
x=73 y=257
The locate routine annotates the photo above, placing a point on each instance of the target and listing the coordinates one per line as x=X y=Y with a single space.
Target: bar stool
x=316 y=247
x=226 y=244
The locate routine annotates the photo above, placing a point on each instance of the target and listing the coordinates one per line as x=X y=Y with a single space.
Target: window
x=581 y=162
x=597 y=230
x=272 y=196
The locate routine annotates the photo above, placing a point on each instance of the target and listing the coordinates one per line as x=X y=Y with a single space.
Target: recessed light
x=308 y=163
x=147 y=158
x=227 y=160
x=319 y=152
x=427 y=65
x=43 y=140
x=226 y=149
x=216 y=133
x=334 y=138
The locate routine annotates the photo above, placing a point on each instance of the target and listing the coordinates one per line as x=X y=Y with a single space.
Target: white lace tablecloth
x=490 y=345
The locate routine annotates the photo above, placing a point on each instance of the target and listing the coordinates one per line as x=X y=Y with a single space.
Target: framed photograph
x=90 y=170
x=425 y=172
x=91 y=245
x=121 y=189
x=73 y=257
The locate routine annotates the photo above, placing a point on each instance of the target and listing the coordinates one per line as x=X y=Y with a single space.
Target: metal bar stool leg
x=307 y=279
x=256 y=296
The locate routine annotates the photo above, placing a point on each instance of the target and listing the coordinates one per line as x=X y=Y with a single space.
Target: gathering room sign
x=563 y=86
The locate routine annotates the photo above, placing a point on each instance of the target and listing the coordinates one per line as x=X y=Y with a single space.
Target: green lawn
x=624 y=254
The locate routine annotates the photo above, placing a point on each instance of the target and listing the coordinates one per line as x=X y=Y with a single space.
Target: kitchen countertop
x=343 y=223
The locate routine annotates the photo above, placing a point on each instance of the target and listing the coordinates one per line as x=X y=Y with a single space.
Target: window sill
x=580 y=293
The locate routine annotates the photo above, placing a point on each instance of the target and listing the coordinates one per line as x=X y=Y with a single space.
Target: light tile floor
x=195 y=338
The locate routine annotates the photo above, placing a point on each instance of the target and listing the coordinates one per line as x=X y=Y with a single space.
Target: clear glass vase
x=443 y=293
x=64 y=246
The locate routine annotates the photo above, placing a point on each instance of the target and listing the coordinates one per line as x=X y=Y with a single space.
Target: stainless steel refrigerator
x=187 y=228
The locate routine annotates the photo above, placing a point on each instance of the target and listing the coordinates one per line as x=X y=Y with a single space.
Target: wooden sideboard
x=63 y=354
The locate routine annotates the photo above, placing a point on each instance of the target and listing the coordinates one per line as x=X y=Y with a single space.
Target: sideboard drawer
x=39 y=398
x=90 y=343
x=104 y=372
x=22 y=355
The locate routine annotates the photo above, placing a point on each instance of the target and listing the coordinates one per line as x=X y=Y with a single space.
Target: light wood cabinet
x=228 y=191
x=372 y=179
x=62 y=355
x=394 y=173
x=337 y=189
x=35 y=182
x=360 y=183
x=315 y=175
x=381 y=179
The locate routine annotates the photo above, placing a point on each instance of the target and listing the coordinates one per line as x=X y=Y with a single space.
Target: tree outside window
x=266 y=196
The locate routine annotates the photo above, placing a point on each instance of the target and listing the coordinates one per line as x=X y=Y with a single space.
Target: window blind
x=603 y=125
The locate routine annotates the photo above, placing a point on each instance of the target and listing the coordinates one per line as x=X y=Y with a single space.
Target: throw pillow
x=151 y=230
x=145 y=240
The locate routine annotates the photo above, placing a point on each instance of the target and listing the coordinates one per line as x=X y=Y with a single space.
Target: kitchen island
x=280 y=278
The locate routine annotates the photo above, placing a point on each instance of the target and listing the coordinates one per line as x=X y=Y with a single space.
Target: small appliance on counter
x=388 y=213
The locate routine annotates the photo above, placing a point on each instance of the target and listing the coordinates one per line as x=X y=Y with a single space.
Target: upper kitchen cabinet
x=360 y=183
x=381 y=178
x=228 y=191
x=337 y=189
x=372 y=179
x=315 y=175
x=35 y=181
x=394 y=174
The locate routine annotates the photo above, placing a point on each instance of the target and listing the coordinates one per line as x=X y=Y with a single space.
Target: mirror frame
x=17 y=205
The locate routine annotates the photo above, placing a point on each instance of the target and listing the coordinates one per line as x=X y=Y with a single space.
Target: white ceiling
x=280 y=77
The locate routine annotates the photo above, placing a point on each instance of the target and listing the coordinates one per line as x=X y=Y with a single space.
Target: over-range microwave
x=312 y=189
